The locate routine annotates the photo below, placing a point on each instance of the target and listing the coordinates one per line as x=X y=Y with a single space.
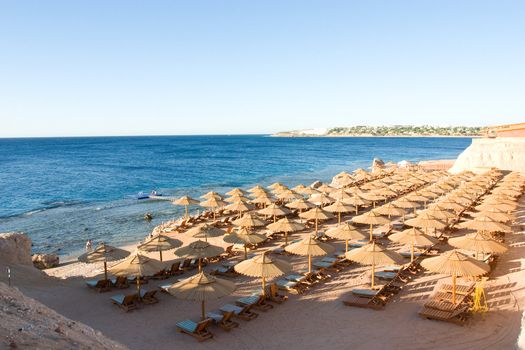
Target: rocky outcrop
x=15 y=248
x=45 y=261
x=503 y=153
x=27 y=324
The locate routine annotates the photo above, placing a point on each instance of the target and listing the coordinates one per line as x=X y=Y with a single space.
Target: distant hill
x=392 y=130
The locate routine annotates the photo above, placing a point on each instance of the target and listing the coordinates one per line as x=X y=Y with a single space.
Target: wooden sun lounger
x=125 y=302
x=257 y=301
x=289 y=286
x=100 y=286
x=223 y=320
x=197 y=330
x=375 y=303
x=459 y=315
x=324 y=265
x=148 y=296
x=243 y=313
x=121 y=282
x=272 y=294
x=175 y=269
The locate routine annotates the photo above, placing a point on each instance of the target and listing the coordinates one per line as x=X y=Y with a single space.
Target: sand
x=316 y=319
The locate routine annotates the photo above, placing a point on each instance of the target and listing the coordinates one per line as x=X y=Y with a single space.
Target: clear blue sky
x=77 y=67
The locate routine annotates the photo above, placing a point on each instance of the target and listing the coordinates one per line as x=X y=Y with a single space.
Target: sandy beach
x=315 y=319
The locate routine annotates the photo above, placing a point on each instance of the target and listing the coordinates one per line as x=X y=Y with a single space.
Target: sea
x=63 y=191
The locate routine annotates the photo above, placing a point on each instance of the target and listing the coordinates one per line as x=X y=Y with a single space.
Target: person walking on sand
x=89 y=245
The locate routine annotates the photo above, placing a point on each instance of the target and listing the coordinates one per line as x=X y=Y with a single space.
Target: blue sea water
x=62 y=191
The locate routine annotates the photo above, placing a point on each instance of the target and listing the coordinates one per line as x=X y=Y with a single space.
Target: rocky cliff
x=503 y=153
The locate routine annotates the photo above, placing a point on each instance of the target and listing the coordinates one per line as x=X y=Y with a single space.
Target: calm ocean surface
x=62 y=191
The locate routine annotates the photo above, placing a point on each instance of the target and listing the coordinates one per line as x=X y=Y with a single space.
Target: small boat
x=153 y=194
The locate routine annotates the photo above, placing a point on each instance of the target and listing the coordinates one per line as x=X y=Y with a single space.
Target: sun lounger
x=323 y=265
x=161 y=275
x=223 y=320
x=197 y=330
x=121 y=282
x=224 y=271
x=243 y=313
x=148 y=296
x=100 y=285
x=175 y=269
x=133 y=280
x=458 y=315
x=125 y=302
x=186 y=265
x=366 y=293
x=386 y=275
x=257 y=301
x=289 y=286
x=272 y=294
x=375 y=303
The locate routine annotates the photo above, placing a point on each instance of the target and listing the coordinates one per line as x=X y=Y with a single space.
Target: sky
x=93 y=67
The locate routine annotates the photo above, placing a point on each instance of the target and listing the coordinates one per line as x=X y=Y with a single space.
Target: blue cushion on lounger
x=118 y=298
x=215 y=316
x=295 y=278
x=286 y=283
x=323 y=264
x=92 y=283
x=249 y=300
x=229 y=308
x=366 y=292
x=330 y=260
x=386 y=275
x=187 y=325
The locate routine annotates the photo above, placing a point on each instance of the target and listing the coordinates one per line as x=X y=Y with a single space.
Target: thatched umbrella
x=263 y=198
x=390 y=209
x=239 y=207
x=414 y=237
x=213 y=203
x=263 y=266
x=244 y=236
x=137 y=265
x=249 y=220
x=309 y=247
x=320 y=199
x=479 y=243
x=340 y=194
x=236 y=198
x=316 y=214
x=236 y=192
x=356 y=201
x=339 y=207
x=288 y=195
x=257 y=188
x=345 y=232
x=159 y=243
x=308 y=191
x=371 y=218
x=199 y=250
x=205 y=231
x=405 y=203
x=300 y=204
x=455 y=264
x=325 y=188
x=186 y=201
x=373 y=255
x=202 y=287
x=274 y=210
x=426 y=221
x=485 y=224
x=104 y=253
x=496 y=215
x=211 y=194
x=285 y=225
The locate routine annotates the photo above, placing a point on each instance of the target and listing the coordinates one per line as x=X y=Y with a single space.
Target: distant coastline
x=386 y=131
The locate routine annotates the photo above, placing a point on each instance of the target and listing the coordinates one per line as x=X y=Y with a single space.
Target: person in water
x=89 y=245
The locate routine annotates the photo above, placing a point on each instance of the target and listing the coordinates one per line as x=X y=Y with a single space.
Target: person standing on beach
x=89 y=245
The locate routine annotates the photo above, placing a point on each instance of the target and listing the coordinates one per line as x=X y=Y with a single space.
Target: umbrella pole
x=264 y=286
x=371 y=232
x=339 y=218
x=274 y=219
x=200 y=265
x=412 y=252
x=245 y=252
x=316 y=227
x=160 y=254
x=203 y=308
x=186 y=211
x=347 y=246
x=356 y=209
x=138 y=285
x=454 y=289
x=105 y=270
x=373 y=266
x=286 y=238
x=309 y=263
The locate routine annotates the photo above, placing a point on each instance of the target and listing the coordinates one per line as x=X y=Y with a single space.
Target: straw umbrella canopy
x=199 y=250
x=316 y=214
x=300 y=204
x=426 y=221
x=263 y=198
x=137 y=265
x=186 y=201
x=288 y=195
x=345 y=232
x=371 y=218
x=439 y=213
x=236 y=198
x=309 y=247
x=104 y=253
x=257 y=188
x=299 y=188
x=390 y=209
x=455 y=264
x=356 y=201
x=213 y=203
x=501 y=206
x=285 y=225
x=340 y=194
x=485 y=224
x=263 y=266
x=205 y=231
x=373 y=255
x=449 y=204
x=339 y=207
x=308 y=191
x=244 y=236
x=479 y=243
x=372 y=197
x=249 y=220
x=405 y=203
x=275 y=185
x=275 y=211
x=211 y=194
x=239 y=207
x=159 y=243
x=201 y=287
x=320 y=199
x=414 y=237
x=496 y=215
x=236 y=192
x=325 y=188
